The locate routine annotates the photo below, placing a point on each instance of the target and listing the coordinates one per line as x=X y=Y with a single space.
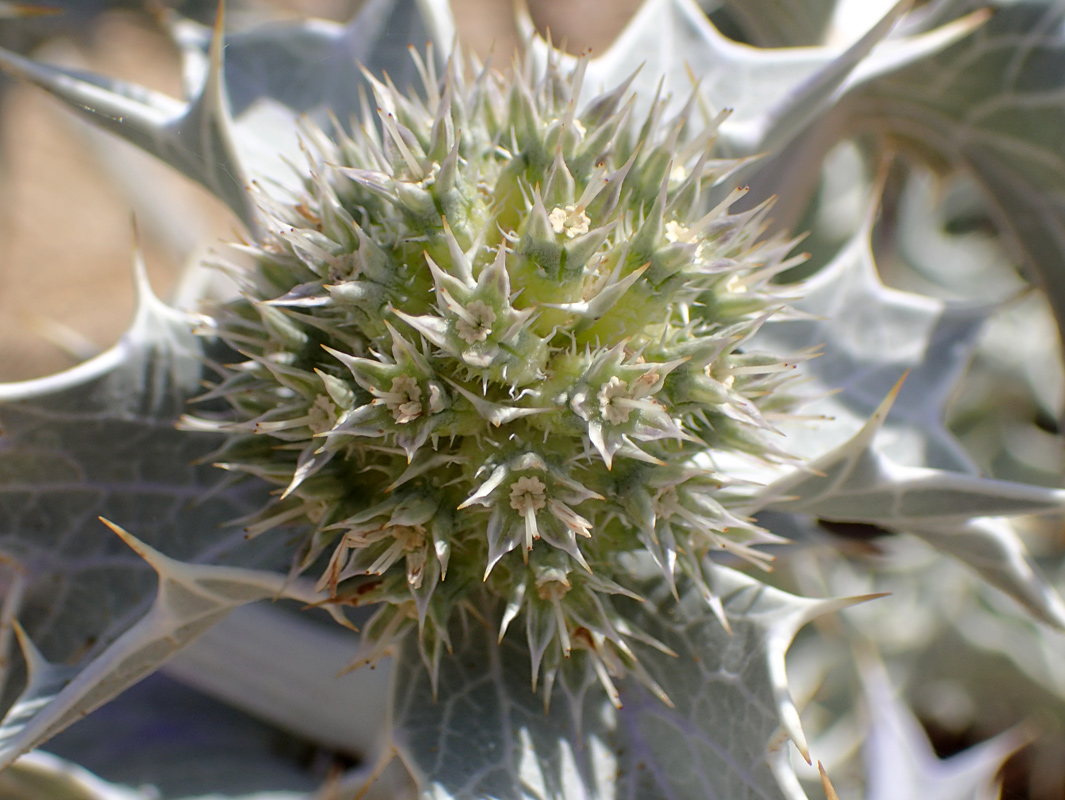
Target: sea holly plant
x=518 y=393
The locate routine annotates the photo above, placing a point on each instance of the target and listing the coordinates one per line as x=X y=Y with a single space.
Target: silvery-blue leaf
x=864 y=355
x=189 y=599
x=902 y=764
x=275 y=73
x=307 y=690
x=194 y=137
x=950 y=510
x=488 y=734
x=774 y=93
x=162 y=735
x=990 y=105
x=938 y=255
x=99 y=440
x=856 y=482
x=239 y=121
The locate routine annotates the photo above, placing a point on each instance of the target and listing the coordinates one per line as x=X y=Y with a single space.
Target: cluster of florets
x=492 y=351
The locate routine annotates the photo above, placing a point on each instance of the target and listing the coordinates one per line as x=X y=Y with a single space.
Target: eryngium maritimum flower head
x=492 y=352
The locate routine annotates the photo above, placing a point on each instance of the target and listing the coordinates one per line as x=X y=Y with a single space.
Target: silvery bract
x=520 y=383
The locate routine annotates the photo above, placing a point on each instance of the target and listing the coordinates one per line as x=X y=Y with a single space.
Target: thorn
x=830 y=792
x=35 y=661
x=218 y=34
x=135 y=544
x=383 y=761
x=889 y=399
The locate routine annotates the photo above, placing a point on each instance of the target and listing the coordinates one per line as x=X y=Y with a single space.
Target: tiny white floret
x=614 y=412
x=528 y=494
x=479 y=325
x=322 y=415
x=403 y=400
x=569 y=220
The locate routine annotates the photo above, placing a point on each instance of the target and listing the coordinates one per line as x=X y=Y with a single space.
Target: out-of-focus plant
x=523 y=378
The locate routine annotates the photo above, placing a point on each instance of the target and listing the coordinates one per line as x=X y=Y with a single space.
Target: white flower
x=436 y=399
x=403 y=400
x=322 y=415
x=735 y=285
x=675 y=232
x=527 y=494
x=569 y=220
x=477 y=323
x=614 y=412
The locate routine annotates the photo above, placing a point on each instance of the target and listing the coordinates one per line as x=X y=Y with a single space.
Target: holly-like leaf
x=856 y=483
x=863 y=355
x=246 y=92
x=274 y=74
x=182 y=744
x=240 y=122
x=773 y=94
x=903 y=471
x=308 y=690
x=993 y=549
x=99 y=440
x=990 y=106
x=488 y=734
x=951 y=638
x=1004 y=665
x=38 y=775
x=312 y=67
x=901 y=763
x=195 y=137
x=189 y=599
x=940 y=247
x=1015 y=382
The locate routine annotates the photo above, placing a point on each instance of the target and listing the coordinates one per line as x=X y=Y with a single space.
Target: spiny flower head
x=494 y=349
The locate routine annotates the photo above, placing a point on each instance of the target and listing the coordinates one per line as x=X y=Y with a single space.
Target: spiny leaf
x=40 y=774
x=902 y=764
x=990 y=105
x=864 y=355
x=856 y=483
x=275 y=74
x=196 y=138
x=488 y=736
x=99 y=440
x=774 y=93
x=190 y=598
x=993 y=548
x=304 y=691
x=239 y=122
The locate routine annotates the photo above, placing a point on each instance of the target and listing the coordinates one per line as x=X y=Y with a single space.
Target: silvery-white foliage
x=93 y=607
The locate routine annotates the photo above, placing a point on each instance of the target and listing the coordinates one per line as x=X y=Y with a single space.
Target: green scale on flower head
x=493 y=349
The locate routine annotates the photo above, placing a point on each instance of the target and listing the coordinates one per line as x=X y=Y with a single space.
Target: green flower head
x=496 y=348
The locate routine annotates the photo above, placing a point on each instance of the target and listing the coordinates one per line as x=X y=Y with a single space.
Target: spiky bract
x=494 y=348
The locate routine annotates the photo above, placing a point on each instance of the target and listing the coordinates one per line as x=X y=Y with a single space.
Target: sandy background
x=65 y=232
